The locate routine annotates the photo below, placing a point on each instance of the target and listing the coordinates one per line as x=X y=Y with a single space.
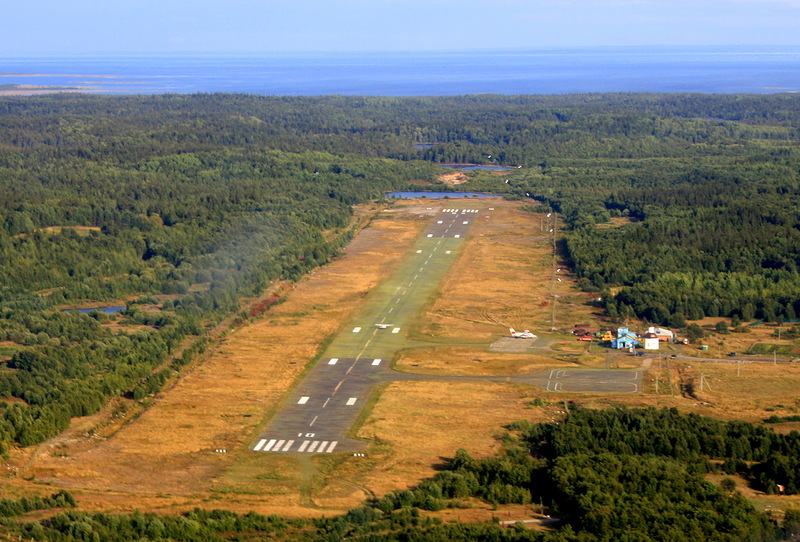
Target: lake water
x=433 y=195
x=107 y=310
x=473 y=167
x=755 y=69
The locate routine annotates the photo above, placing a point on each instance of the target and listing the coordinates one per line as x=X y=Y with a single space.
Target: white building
x=651 y=340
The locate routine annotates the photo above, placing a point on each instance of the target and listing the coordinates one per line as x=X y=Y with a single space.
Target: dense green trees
x=637 y=474
x=199 y=200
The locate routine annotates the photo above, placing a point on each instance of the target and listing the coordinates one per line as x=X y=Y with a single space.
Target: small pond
x=473 y=167
x=432 y=195
x=107 y=310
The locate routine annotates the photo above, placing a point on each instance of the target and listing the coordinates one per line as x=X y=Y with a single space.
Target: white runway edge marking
x=260 y=444
x=419 y=252
x=303 y=400
x=396 y=330
x=466 y=222
x=356 y=329
x=447 y=252
x=352 y=401
x=439 y=222
x=269 y=445
x=457 y=236
x=333 y=361
x=430 y=235
x=376 y=361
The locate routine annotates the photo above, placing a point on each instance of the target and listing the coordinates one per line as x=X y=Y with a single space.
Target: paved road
x=317 y=417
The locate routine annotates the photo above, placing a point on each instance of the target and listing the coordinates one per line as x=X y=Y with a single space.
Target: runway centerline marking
x=313 y=421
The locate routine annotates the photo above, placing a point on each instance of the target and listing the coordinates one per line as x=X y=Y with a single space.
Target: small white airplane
x=521 y=334
x=384 y=326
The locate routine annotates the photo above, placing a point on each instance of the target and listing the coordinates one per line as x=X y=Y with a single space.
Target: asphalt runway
x=319 y=414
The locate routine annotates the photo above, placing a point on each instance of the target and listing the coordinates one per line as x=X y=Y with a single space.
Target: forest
x=620 y=474
x=675 y=207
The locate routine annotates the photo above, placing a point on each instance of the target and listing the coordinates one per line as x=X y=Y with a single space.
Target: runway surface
x=319 y=414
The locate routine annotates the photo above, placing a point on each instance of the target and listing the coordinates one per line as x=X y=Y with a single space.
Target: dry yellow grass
x=165 y=461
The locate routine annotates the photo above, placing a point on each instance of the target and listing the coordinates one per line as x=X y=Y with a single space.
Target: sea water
x=755 y=69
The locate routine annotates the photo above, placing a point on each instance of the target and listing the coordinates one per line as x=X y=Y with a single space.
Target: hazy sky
x=227 y=26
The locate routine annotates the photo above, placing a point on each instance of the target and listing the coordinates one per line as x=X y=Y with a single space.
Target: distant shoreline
x=30 y=90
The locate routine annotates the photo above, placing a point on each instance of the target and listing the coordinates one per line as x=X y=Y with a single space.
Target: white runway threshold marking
x=352 y=401
x=260 y=444
x=303 y=400
x=269 y=445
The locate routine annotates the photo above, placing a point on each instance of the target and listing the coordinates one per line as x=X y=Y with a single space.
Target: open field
x=502 y=276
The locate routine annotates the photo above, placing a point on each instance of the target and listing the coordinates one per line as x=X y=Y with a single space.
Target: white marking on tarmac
x=332 y=446
x=303 y=446
x=333 y=361
x=269 y=445
x=260 y=444
x=288 y=445
x=326 y=402
x=313 y=446
x=447 y=252
x=430 y=235
x=457 y=236
x=312 y=421
x=339 y=385
x=419 y=252
x=303 y=400
x=396 y=330
x=376 y=361
x=352 y=401
x=439 y=222
x=278 y=445
x=466 y=222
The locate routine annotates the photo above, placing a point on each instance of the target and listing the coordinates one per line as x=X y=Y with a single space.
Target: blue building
x=625 y=339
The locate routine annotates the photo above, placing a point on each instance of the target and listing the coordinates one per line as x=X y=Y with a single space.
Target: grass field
x=502 y=276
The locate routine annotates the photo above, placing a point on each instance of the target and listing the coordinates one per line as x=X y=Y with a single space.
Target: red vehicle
x=585 y=338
